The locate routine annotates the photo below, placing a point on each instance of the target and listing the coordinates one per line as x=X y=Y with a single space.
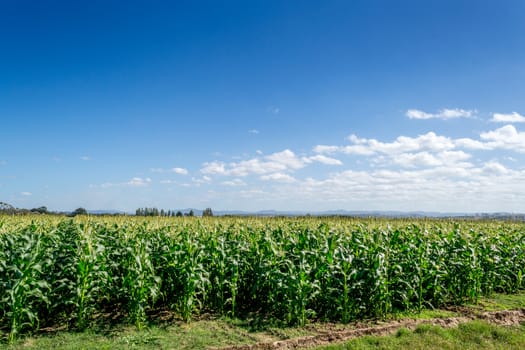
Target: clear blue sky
x=288 y=105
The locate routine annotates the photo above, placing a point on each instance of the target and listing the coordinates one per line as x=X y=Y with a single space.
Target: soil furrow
x=506 y=317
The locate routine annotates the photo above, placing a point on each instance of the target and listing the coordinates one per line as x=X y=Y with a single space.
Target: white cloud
x=326 y=149
x=486 y=187
x=426 y=159
x=254 y=166
x=214 y=167
x=494 y=167
x=514 y=117
x=402 y=144
x=286 y=158
x=133 y=182
x=410 y=160
x=180 y=171
x=85 y=158
x=26 y=193
x=202 y=180
x=278 y=177
x=325 y=160
x=423 y=172
x=234 y=183
x=253 y=131
x=429 y=141
x=421 y=149
x=442 y=114
x=417 y=114
x=501 y=134
x=470 y=144
x=428 y=171
x=138 y=182
x=360 y=150
x=277 y=162
x=176 y=170
x=506 y=137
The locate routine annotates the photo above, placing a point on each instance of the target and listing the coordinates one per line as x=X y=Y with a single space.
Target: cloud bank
x=442 y=114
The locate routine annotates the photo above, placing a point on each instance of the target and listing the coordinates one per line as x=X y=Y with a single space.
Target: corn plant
x=140 y=283
x=225 y=267
x=191 y=272
x=23 y=289
x=91 y=276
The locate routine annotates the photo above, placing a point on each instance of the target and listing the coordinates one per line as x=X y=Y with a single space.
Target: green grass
x=502 y=302
x=496 y=302
x=473 y=335
x=180 y=335
x=198 y=335
x=425 y=314
x=205 y=334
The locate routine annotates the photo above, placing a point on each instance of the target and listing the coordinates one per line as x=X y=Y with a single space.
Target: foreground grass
x=183 y=336
x=501 y=302
x=472 y=335
x=202 y=335
x=198 y=335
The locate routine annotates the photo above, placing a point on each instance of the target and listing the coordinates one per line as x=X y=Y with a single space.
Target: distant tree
x=179 y=213
x=207 y=212
x=191 y=213
x=79 y=211
x=148 y=211
x=7 y=208
x=40 y=210
x=155 y=212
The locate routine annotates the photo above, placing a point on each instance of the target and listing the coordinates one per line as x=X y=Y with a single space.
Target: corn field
x=70 y=272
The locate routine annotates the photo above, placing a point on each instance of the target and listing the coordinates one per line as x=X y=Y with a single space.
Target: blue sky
x=251 y=105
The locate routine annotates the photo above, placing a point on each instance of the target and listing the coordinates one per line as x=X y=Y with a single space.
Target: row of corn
x=72 y=272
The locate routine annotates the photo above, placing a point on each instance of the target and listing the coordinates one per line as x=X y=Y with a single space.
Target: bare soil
x=330 y=334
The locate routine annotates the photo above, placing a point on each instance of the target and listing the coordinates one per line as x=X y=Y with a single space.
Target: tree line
x=169 y=213
x=6 y=208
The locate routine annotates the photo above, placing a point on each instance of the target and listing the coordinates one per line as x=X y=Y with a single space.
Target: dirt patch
x=337 y=335
x=504 y=318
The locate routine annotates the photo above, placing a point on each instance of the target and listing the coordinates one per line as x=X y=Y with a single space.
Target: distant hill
x=106 y=212
x=365 y=213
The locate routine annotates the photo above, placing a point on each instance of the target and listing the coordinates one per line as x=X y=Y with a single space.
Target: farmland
x=72 y=273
